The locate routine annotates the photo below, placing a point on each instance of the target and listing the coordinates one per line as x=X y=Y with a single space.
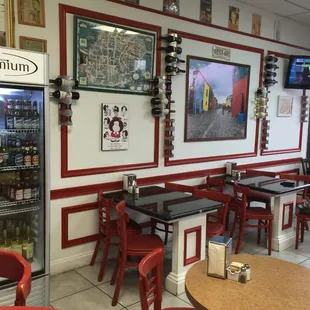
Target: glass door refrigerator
x=24 y=168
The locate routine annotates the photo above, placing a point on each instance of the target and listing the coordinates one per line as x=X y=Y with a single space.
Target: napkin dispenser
x=230 y=167
x=128 y=181
x=219 y=256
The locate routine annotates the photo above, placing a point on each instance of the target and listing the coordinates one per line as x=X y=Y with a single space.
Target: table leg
x=283 y=234
x=188 y=247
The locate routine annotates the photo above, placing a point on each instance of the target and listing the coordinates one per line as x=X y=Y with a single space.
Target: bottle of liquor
x=19 y=157
x=161 y=101
x=9 y=118
x=27 y=114
x=158 y=111
x=17 y=243
x=27 y=188
x=27 y=155
x=160 y=80
x=159 y=91
x=173 y=70
x=172 y=37
x=18 y=115
x=65 y=82
x=35 y=116
x=35 y=185
x=172 y=49
x=271 y=66
x=8 y=228
x=59 y=94
x=19 y=191
x=6 y=242
x=35 y=160
x=5 y=151
x=11 y=150
x=28 y=246
x=171 y=59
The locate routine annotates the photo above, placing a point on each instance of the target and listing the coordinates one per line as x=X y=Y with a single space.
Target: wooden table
x=275 y=284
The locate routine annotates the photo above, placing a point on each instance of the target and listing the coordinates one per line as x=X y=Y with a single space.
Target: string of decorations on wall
x=304 y=109
x=270 y=68
x=65 y=96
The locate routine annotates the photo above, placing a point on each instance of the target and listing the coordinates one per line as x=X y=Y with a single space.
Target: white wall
x=84 y=136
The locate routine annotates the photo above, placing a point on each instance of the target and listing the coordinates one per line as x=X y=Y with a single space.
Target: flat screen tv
x=298 y=74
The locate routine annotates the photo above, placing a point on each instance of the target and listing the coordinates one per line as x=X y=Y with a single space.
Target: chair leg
x=302 y=231
x=153 y=226
x=270 y=237
x=233 y=226
x=227 y=220
x=307 y=226
x=115 y=271
x=93 y=259
x=258 y=232
x=297 y=232
x=104 y=258
x=166 y=233
x=241 y=231
x=119 y=282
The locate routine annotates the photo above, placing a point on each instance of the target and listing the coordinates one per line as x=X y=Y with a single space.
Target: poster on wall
x=206 y=11
x=256 y=24
x=31 y=12
x=285 y=106
x=216 y=100
x=172 y=7
x=114 y=127
x=233 y=18
x=112 y=58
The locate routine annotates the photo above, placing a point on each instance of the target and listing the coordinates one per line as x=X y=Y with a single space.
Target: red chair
x=262 y=215
x=150 y=281
x=107 y=230
x=139 y=246
x=260 y=173
x=155 y=222
x=14 y=267
x=217 y=226
x=301 y=223
x=214 y=183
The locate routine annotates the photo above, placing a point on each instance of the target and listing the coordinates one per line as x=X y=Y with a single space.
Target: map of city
x=109 y=57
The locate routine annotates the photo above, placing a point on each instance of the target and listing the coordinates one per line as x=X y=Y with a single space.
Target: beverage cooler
x=24 y=170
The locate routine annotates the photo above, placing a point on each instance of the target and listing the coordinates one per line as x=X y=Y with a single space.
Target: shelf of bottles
x=269 y=72
x=304 y=109
x=65 y=96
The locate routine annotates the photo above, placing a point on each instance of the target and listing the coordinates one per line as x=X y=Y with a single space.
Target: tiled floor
x=79 y=289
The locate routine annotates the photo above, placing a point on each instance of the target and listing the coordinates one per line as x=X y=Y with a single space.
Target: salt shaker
x=243 y=276
x=248 y=272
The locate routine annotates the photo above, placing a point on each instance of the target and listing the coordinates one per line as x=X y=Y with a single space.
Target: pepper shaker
x=243 y=275
x=248 y=272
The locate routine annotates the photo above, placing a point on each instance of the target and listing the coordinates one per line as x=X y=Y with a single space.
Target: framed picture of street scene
x=112 y=58
x=216 y=100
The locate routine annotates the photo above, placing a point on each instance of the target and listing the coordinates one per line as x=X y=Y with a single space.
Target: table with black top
x=283 y=235
x=188 y=216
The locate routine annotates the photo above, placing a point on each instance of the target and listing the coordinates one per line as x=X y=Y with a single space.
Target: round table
x=275 y=284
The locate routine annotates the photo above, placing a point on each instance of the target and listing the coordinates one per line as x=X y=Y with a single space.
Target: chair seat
x=258 y=213
x=132 y=227
x=258 y=196
x=300 y=201
x=144 y=243
x=303 y=216
x=214 y=229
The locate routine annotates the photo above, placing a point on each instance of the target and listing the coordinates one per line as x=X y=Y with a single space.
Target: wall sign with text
x=221 y=52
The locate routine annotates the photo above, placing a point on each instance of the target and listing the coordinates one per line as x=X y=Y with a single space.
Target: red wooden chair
x=301 y=224
x=217 y=225
x=263 y=216
x=150 y=280
x=155 y=222
x=14 y=267
x=138 y=245
x=107 y=230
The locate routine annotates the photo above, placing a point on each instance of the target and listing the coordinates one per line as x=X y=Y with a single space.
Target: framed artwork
x=111 y=57
x=31 y=12
x=32 y=44
x=114 y=127
x=206 y=11
x=7 y=36
x=216 y=100
x=233 y=19
x=256 y=24
x=172 y=7
x=285 y=106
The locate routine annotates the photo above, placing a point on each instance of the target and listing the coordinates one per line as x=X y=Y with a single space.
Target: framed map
x=112 y=58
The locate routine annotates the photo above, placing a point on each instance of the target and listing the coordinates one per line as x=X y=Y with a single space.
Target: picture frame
x=285 y=106
x=32 y=44
x=31 y=12
x=7 y=29
x=171 y=7
x=217 y=94
x=101 y=65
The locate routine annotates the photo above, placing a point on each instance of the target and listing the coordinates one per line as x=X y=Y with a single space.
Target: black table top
x=163 y=204
x=271 y=185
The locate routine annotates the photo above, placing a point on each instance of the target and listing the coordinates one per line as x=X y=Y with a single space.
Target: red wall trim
x=197 y=256
x=289 y=224
x=284 y=151
x=194 y=21
x=63 y=11
x=112 y=186
x=186 y=161
x=65 y=242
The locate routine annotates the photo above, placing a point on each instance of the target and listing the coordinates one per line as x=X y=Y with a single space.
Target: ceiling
x=297 y=10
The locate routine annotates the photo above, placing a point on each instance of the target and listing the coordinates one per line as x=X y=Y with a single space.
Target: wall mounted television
x=298 y=73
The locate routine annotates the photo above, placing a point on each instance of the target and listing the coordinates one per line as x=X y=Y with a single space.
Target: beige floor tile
x=184 y=298
x=93 y=299
x=285 y=255
x=67 y=283
x=306 y=263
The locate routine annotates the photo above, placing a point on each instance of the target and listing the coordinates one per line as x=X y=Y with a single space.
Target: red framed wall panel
x=63 y=11
x=290 y=207
x=197 y=256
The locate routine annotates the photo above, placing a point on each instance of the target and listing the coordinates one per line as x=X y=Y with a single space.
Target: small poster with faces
x=114 y=130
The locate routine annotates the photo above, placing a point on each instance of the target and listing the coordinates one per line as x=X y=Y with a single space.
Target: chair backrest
x=180 y=187
x=105 y=207
x=216 y=196
x=262 y=173
x=240 y=197
x=215 y=182
x=14 y=267
x=297 y=178
x=150 y=279
x=305 y=162
x=122 y=219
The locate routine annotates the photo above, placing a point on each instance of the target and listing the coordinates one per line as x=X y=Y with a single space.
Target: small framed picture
x=285 y=106
x=171 y=7
x=32 y=44
x=31 y=12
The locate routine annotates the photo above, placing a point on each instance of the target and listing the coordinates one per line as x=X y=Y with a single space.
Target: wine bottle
x=172 y=49
x=28 y=245
x=6 y=245
x=170 y=59
x=65 y=82
x=159 y=91
x=17 y=243
x=158 y=111
x=173 y=70
x=160 y=80
x=172 y=37
x=59 y=94
x=270 y=82
x=161 y=101
x=271 y=58
x=271 y=66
